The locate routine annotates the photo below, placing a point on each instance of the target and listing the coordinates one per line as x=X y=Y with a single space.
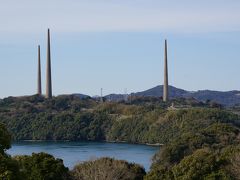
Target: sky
x=119 y=44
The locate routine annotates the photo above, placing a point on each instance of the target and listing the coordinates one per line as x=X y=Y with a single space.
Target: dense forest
x=200 y=139
x=144 y=120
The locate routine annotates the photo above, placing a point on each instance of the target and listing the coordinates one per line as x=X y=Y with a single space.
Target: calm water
x=75 y=152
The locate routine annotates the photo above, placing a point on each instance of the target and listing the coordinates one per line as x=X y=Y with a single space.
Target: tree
x=42 y=166
x=8 y=167
x=202 y=164
x=108 y=169
x=5 y=139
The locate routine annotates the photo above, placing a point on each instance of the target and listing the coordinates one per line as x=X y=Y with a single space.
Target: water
x=76 y=152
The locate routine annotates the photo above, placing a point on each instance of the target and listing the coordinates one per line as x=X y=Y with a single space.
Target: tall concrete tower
x=165 y=88
x=39 y=88
x=49 y=75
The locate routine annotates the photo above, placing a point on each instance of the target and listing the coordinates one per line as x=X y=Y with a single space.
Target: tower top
x=49 y=71
x=39 y=87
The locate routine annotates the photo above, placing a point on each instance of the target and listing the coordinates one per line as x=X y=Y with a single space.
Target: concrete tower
x=165 y=88
x=39 y=88
x=49 y=75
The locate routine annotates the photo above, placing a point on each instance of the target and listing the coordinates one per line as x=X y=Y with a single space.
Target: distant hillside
x=78 y=95
x=158 y=92
x=228 y=98
x=115 y=97
x=81 y=96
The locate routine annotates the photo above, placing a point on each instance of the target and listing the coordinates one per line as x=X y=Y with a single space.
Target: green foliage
x=9 y=168
x=205 y=163
x=159 y=172
x=71 y=118
x=161 y=126
x=210 y=153
x=5 y=139
x=202 y=164
x=216 y=136
x=108 y=169
x=234 y=162
x=62 y=118
x=36 y=167
x=42 y=166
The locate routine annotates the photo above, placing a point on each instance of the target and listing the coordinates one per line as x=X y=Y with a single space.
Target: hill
x=71 y=118
x=228 y=98
x=158 y=92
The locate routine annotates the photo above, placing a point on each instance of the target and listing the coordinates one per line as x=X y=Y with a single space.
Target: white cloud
x=111 y=15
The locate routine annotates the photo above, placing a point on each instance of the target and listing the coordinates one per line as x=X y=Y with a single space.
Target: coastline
x=107 y=141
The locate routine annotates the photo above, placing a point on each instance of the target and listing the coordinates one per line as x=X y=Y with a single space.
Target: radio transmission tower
x=125 y=95
x=101 y=99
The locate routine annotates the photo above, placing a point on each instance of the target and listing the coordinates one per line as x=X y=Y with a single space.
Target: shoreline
x=126 y=142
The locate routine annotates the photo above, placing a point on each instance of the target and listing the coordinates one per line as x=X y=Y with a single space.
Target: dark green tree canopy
x=42 y=166
x=5 y=139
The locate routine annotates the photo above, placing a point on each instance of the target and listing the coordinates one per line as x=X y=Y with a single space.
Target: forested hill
x=72 y=118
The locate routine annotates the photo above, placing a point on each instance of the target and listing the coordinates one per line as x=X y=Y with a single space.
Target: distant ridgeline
x=228 y=98
x=201 y=140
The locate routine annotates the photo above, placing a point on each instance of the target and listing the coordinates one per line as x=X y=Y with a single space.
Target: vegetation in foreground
x=108 y=169
x=212 y=153
x=201 y=140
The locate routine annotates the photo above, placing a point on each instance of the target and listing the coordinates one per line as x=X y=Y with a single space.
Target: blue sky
x=116 y=45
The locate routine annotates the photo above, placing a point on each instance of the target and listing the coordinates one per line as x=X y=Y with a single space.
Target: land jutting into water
x=200 y=139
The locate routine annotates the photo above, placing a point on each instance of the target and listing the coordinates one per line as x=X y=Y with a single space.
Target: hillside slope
x=228 y=98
